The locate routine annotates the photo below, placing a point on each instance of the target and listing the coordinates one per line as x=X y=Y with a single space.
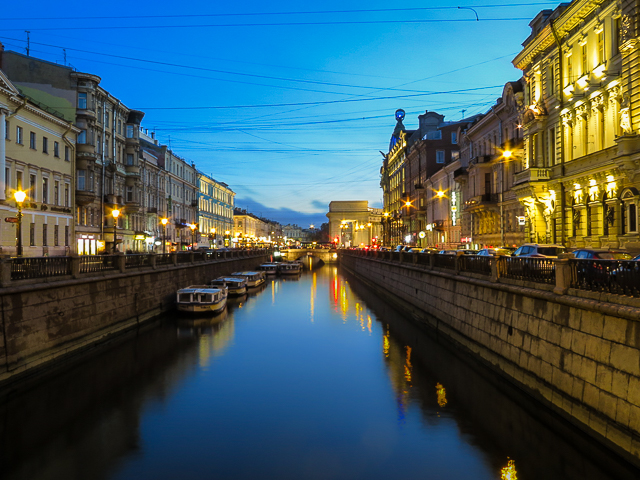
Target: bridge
x=327 y=255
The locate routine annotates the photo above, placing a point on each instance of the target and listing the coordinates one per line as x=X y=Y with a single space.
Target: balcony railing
x=532 y=175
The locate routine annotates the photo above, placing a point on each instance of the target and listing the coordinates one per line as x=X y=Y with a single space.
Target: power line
x=318 y=12
x=276 y=24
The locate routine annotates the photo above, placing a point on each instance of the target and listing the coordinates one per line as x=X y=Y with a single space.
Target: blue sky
x=292 y=115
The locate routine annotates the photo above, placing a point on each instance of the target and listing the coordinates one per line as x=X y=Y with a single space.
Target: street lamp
x=507 y=154
x=193 y=235
x=19 y=196
x=116 y=213
x=164 y=222
x=215 y=239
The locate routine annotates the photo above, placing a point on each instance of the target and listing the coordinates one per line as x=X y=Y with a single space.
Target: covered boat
x=254 y=279
x=235 y=285
x=289 y=268
x=201 y=299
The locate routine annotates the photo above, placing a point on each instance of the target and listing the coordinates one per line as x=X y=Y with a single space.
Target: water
x=310 y=378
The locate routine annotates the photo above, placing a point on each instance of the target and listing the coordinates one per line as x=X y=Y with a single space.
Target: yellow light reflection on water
x=385 y=344
x=369 y=323
x=509 y=472
x=407 y=365
x=442 y=395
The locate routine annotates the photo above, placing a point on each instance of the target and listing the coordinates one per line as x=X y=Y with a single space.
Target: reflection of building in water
x=441 y=394
x=399 y=367
x=509 y=472
x=312 y=296
x=214 y=336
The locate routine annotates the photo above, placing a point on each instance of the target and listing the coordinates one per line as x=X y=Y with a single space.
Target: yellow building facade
x=580 y=167
x=37 y=156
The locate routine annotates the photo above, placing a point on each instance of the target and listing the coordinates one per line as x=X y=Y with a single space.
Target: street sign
x=11 y=219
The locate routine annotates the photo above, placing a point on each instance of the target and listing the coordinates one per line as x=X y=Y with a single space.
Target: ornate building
x=491 y=150
x=36 y=152
x=580 y=174
x=215 y=210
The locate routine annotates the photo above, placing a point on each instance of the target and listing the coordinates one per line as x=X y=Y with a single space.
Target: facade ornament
x=567 y=118
x=582 y=110
x=625 y=120
x=576 y=218
x=627 y=33
x=597 y=103
x=609 y=215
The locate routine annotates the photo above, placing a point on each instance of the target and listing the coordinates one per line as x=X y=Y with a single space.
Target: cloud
x=320 y=205
x=285 y=215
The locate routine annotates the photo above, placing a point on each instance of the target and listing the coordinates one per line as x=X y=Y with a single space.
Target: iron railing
x=164 y=259
x=97 y=263
x=621 y=277
x=137 y=260
x=539 y=270
x=38 y=267
x=444 y=261
x=475 y=264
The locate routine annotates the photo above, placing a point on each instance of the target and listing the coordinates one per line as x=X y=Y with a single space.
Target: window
x=632 y=215
x=67 y=153
x=56 y=192
x=435 y=135
x=129 y=131
x=129 y=194
x=81 y=179
x=32 y=235
x=66 y=196
x=56 y=149
x=7 y=182
x=44 y=235
x=66 y=235
x=45 y=190
x=45 y=145
x=19 y=180
x=584 y=59
x=82 y=101
x=551 y=81
x=82 y=136
x=19 y=135
x=601 y=48
x=100 y=144
x=569 y=69
x=439 y=156
x=455 y=155
x=7 y=129
x=119 y=126
x=129 y=159
x=56 y=241
x=32 y=140
x=616 y=36
x=32 y=187
x=454 y=138
x=99 y=114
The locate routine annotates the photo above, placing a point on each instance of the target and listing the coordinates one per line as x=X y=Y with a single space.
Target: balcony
x=132 y=206
x=532 y=175
x=152 y=210
x=84 y=197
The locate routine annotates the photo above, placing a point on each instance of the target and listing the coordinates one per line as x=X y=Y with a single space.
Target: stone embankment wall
x=45 y=322
x=577 y=355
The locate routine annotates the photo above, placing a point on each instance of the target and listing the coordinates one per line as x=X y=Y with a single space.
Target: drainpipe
x=562 y=166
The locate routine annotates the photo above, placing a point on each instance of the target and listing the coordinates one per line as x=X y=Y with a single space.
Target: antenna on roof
x=64 y=52
x=463 y=110
x=28 y=41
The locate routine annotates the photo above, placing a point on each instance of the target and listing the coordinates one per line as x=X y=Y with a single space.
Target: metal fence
x=137 y=260
x=164 y=259
x=444 y=261
x=475 y=264
x=621 y=277
x=97 y=263
x=540 y=270
x=38 y=267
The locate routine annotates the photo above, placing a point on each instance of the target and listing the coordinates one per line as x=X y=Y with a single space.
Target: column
x=3 y=160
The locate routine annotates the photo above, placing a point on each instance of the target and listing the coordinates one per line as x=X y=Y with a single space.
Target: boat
x=201 y=299
x=289 y=268
x=268 y=268
x=254 y=279
x=235 y=285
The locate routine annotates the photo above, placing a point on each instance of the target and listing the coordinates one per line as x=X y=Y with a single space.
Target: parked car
x=429 y=250
x=540 y=250
x=601 y=254
x=400 y=248
x=490 y=252
x=637 y=259
x=448 y=252
x=466 y=251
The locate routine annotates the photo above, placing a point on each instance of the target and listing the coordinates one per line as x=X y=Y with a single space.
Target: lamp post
x=19 y=196
x=193 y=235
x=115 y=213
x=164 y=222
x=506 y=155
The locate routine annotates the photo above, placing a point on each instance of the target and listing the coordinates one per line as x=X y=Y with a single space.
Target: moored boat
x=289 y=268
x=201 y=299
x=268 y=268
x=254 y=279
x=235 y=285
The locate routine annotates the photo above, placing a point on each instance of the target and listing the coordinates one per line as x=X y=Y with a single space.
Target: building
x=36 y=156
x=106 y=164
x=215 y=210
x=172 y=191
x=413 y=157
x=580 y=178
x=354 y=223
x=249 y=229
x=491 y=152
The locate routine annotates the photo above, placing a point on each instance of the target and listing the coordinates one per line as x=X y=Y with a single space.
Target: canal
x=307 y=378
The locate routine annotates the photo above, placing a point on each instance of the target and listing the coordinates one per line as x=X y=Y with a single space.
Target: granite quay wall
x=46 y=320
x=575 y=351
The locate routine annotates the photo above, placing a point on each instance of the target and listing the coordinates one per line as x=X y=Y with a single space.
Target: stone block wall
x=579 y=356
x=49 y=321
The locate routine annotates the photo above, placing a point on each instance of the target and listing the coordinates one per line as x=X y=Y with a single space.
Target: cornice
x=572 y=16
